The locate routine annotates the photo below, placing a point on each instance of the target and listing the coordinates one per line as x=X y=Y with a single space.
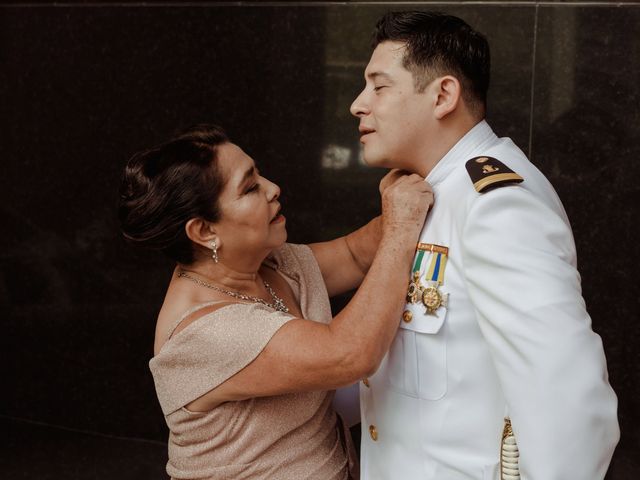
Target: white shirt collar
x=473 y=142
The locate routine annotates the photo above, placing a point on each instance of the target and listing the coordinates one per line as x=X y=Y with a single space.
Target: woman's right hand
x=406 y=199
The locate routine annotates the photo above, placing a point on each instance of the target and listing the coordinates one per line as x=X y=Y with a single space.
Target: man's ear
x=201 y=232
x=448 y=96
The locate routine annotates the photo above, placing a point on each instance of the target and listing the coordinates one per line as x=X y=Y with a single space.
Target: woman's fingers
x=390 y=178
x=406 y=201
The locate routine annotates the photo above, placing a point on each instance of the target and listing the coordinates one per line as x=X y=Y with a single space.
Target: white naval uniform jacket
x=514 y=340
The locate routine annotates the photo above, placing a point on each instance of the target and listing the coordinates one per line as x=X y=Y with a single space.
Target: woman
x=246 y=351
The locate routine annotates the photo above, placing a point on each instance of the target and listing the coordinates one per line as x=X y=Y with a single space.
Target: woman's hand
x=406 y=199
x=390 y=178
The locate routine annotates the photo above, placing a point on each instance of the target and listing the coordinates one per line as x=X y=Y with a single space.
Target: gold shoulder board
x=487 y=173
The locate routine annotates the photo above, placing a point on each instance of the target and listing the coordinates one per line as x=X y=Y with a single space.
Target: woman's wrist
x=400 y=245
x=403 y=234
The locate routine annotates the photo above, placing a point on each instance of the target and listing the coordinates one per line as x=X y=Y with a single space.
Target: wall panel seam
x=533 y=83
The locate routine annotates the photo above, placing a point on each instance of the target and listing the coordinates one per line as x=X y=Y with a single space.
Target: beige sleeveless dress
x=293 y=436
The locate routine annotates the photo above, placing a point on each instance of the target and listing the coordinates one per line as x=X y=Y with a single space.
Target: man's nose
x=359 y=106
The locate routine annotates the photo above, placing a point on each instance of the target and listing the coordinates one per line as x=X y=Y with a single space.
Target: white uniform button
x=407 y=316
x=373 y=431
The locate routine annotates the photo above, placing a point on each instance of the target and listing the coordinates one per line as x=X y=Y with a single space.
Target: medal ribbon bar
x=430 y=247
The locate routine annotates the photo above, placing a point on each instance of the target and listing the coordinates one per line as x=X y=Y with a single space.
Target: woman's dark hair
x=440 y=44
x=166 y=186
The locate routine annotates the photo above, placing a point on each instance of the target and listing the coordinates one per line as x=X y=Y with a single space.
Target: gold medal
x=415 y=289
x=433 y=299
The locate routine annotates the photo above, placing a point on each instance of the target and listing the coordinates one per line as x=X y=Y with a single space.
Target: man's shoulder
x=487 y=173
x=500 y=165
x=486 y=169
x=502 y=168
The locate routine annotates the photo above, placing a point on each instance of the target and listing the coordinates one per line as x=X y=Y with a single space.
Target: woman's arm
x=345 y=261
x=305 y=355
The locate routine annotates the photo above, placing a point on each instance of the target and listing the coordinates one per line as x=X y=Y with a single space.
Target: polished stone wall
x=85 y=85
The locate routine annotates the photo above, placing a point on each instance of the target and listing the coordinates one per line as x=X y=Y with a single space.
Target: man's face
x=395 y=120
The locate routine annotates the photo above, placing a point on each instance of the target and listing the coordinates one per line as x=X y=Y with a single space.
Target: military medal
x=432 y=298
x=429 y=295
x=414 y=291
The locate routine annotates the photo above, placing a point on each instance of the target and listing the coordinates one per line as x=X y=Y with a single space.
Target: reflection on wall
x=335 y=157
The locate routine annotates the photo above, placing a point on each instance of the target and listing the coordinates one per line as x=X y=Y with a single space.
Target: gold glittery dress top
x=293 y=436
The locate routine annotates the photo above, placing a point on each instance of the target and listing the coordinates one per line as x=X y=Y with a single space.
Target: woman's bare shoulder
x=179 y=311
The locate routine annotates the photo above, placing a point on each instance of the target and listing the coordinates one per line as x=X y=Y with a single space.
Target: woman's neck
x=237 y=276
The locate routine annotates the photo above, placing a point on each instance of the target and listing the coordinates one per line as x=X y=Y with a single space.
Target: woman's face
x=250 y=219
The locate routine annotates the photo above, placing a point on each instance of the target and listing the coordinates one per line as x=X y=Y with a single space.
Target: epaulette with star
x=487 y=173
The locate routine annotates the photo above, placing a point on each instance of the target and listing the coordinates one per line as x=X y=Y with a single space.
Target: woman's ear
x=202 y=232
x=448 y=96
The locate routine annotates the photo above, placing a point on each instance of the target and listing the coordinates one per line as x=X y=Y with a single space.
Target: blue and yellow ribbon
x=435 y=273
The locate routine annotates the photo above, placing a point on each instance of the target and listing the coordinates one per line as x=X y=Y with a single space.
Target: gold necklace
x=278 y=303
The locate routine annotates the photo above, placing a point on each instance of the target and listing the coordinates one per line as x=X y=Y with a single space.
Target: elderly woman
x=246 y=352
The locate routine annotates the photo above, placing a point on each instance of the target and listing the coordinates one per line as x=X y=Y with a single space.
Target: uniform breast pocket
x=417 y=364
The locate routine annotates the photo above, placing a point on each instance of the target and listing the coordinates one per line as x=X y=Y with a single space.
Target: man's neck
x=448 y=137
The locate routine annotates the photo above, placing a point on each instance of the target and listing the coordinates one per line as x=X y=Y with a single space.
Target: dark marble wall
x=83 y=86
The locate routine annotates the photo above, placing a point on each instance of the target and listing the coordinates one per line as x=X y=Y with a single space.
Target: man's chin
x=375 y=161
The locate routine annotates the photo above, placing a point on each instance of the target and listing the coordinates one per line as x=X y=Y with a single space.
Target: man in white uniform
x=495 y=372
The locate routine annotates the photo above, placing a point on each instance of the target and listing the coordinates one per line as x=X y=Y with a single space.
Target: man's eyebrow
x=374 y=75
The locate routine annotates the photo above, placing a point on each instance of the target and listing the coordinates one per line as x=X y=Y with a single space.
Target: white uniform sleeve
x=519 y=263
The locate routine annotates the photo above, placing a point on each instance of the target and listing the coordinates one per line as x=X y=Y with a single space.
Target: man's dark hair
x=166 y=186
x=438 y=44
